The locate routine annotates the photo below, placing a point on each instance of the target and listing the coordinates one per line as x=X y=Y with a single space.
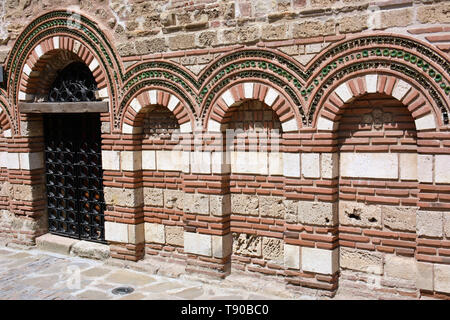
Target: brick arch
x=51 y=55
x=5 y=121
x=231 y=97
x=133 y=115
x=422 y=110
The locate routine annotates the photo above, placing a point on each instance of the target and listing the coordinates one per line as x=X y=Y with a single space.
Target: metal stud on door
x=74 y=176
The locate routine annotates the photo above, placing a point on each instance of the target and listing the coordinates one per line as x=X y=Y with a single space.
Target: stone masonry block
x=271 y=207
x=273 y=249
x=330 y=165
x=429 y=223
x=220 y=205
x=291 y=164
x=222 y=246
x=400 y=267
x=442 y=278
x=425 y=276
x=111 y=160
x=155 y=233
x=292 y=256
x=320 y=260
x=408 y=166
x=173 y=199
x=196 y=203
x=123 y=197
x=369 y=165
x=359 y=214
x=153 y=197
x=310 y=165
x=399 y=218
x=174 y=235
x=247 y=244
x=317 y=213
x=361 y=260
x=200 y=244
x=442 y=168
x=425 y=163
x=245 y=204
x=131 y=160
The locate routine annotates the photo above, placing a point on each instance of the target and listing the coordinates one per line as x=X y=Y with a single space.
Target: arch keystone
x=371 y=83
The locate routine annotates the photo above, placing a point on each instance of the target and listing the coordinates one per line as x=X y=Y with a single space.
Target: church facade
x=305 y=140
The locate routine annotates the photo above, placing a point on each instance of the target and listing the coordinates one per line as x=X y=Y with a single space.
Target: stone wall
x=351 y=189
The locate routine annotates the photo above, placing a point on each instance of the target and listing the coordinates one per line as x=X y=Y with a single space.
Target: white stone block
x=200 y=162
x=442 y=278
x=325 y=124
x=169 y=160
x=186 y=127
x=26 y=69
x=116 y=232
x=275 y=163
x=38 y=50
x=55 y=42
x=344 y=93
x=369 y=165
x=271 y=96
x=3 y=159
x=136 y=233
x=371 y=83
x=25 y=97
x=13 y=161
x=219 y=162
x=103 y=93
x=425 y=163
x=310 y=165
x=131 y=160
x=173 y=103
x=127 y=129
x=291 y=164
x=291 y=256
x=442 y=168
x=222 y=246
x=31 y=161
x=425 y=276
x=249 y=162
x=185 y=161
x=153 y=96
x=400 y=89
x=154 y=232
x=408 y=166
x=320 y=260
x=93 y=65
x=76 y=46
x=135 y=105
x=213 y=126
x=7 y=133
x=200 y=244
x=228 y=98
x=148 y=160
x=329 y=165
x=290 y=125
x=111 y=160
x=248 y=90
x=400 y=267
x=425 y=122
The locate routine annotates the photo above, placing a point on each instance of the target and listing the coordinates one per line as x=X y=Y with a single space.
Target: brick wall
x=353 y=189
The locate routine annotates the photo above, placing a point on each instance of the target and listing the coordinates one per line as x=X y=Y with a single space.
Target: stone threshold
x=73 y=247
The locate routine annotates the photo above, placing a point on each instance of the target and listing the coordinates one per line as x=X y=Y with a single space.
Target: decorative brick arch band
x=133 y=115
x=51 y=55
x=230 y=99
x=416 y=102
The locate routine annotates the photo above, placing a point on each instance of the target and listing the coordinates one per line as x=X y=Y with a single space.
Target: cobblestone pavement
x=36 y=275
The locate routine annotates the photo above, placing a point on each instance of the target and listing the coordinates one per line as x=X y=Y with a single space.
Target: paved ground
x=34 y=274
